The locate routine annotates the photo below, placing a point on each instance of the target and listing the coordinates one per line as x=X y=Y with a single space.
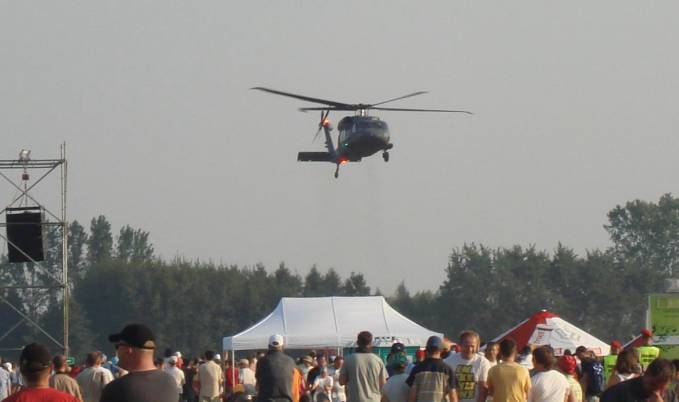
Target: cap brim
x=114 y=338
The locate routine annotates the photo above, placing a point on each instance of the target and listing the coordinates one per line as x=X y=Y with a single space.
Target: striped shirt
x=433 y=378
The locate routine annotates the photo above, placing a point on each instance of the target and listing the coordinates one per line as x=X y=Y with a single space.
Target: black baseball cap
x=34 y=357
x=136 y=335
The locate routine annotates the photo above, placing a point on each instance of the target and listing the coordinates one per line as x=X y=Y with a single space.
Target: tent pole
x=233 y=369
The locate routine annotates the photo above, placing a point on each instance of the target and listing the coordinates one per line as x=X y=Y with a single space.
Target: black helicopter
x=359 y=135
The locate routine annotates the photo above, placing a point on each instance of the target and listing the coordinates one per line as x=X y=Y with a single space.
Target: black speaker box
x=24 y=232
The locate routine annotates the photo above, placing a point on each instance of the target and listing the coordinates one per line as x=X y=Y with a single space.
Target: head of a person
x=322 y=361
x=92 y=359
x=307 y=361
x=492 y=351
x=469 y=344
x=400 y=364
x=434 y=346
x=507 y=349
x=616 y=347
x=567 y=365
x=397 y=348
x=675 y=363
x=209 y=355
x=338 y=362
x=647 y=337
x=364 y=340
x=543 y=358
x=135 y=347
x=172 y=361
x=626 y=362
x=658 y=375
x=526 y=350
x=581 y=353
x=420 y=355
x=59 y=364
x=243 y=363
x=35 y=364
x=324 y=372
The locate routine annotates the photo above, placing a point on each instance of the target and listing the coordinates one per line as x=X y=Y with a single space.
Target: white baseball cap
x=276 y=340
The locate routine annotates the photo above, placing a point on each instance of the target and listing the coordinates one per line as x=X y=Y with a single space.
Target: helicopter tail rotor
x=323 y=123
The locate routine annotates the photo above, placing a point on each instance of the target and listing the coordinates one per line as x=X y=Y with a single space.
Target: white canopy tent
x=318 y=322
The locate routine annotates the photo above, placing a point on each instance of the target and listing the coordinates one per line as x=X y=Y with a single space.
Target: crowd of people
x=462 y=372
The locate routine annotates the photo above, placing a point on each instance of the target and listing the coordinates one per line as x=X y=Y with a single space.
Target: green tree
x=287 y=283
x=355 y=285
x=331 y=284
x=313 y=283
x=133 y=245
x=647 y=232
x=77 y=239
x=100 y=241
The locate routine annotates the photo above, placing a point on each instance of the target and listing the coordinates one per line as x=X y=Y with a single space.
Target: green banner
x=664 y=314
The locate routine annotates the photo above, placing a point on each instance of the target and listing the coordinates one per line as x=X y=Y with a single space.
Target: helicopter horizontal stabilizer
x=314 y=157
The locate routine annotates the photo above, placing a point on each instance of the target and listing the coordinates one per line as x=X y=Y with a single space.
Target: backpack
x=595 y=373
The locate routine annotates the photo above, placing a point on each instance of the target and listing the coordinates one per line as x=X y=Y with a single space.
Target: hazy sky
x=575 y=111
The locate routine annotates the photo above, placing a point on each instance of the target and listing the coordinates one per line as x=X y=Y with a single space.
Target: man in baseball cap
x=274 y=372
x=276 y=341
x=35 y=363
x=420 y=380
x=135 y=346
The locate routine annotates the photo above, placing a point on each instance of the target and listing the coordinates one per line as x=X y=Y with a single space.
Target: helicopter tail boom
x=315 y=157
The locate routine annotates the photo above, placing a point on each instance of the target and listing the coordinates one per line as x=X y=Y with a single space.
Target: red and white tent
x=545 y=328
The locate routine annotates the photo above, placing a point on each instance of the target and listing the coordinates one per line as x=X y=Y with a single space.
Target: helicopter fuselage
x=361 y=136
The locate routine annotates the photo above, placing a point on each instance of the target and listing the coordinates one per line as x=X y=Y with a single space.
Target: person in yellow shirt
x=611 y=359
x=508 y=381
x=647 y=353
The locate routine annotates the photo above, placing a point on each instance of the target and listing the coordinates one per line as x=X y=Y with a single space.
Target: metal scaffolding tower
x=57 y=218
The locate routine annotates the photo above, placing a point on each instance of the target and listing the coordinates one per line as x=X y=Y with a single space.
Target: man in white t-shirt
x=338 y=393
x=471 y=368
x=94 y=378
x=548 y=385
x=176 y=373
x=247 y=377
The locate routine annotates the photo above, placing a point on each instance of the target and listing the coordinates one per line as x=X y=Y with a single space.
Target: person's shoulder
x=452 y=360
x=612 y=393
x=376 y=359
x=482 y=361
x=42 y=394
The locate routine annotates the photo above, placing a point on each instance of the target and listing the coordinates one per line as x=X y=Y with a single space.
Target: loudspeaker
x=24 y=230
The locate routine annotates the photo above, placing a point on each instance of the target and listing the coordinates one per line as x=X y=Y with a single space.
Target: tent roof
x=546 y=328
x=316 y=322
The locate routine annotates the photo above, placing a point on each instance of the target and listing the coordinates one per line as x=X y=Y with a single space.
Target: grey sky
x=575 y=111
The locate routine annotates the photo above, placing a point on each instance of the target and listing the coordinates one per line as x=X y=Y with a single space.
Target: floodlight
x=25 y=155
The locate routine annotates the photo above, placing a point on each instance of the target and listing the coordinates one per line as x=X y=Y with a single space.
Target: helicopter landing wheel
x=385 y=156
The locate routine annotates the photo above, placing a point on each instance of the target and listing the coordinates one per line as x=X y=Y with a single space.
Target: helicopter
x=359 y=135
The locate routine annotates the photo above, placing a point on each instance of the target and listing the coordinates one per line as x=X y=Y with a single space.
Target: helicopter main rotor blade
x=305 y=98
x=309 y=109
x=396 y=109
x=400 y=97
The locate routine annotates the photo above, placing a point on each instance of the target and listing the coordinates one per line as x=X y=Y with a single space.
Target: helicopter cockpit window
x=367 y=125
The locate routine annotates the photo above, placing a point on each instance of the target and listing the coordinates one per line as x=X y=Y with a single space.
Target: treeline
x=192 y=304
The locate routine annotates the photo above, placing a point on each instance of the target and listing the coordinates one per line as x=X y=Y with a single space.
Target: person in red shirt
x=35 y=363
x=230 y=375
